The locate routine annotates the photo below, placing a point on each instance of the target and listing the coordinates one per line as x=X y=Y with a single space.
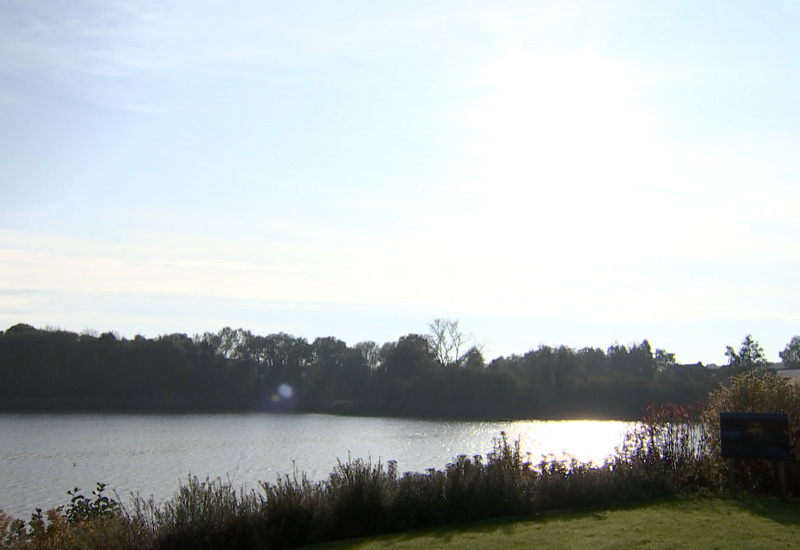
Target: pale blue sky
x=548 y=172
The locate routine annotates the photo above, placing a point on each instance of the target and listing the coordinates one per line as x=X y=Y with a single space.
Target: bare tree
x=449 y=345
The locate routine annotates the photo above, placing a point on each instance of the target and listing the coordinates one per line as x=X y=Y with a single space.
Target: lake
x=44 y=455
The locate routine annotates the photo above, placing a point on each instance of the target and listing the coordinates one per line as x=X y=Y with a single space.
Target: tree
x=409 y=357
x=449 y=346
x=208 y=342
x=21 y=328
x=228 y=342
x=618 y=358
x=288 y=360
x=592 y=361
x=791 y=353
x=371 y=353
x=664 y=359
x=332 y=365
x=749 y=356
x=641 y=357
x=473 y=359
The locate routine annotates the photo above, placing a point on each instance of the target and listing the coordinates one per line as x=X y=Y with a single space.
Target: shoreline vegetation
x=434 y=375
x=673 y=451
x=358 y=499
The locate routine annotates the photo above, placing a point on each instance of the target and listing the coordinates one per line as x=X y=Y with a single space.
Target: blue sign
x=755 y=435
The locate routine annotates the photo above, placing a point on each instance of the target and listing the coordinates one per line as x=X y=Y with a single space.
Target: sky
x=571 y=173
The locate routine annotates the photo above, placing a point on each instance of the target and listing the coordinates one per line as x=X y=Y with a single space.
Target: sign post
x=763 y=436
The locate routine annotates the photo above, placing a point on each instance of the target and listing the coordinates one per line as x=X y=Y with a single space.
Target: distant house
x=788 y=373
x=791 y=373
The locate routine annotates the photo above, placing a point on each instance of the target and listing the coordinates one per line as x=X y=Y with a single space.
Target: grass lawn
x=700 y=522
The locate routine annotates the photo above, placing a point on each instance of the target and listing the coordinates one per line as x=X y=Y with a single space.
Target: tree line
x=438 y=374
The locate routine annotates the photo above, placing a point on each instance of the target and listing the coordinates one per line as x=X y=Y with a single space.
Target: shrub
x=54 y=530
x=419 y=500
x=81 y=508
x=753 y=391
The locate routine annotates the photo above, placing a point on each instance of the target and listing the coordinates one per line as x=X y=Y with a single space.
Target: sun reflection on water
x=584 y=440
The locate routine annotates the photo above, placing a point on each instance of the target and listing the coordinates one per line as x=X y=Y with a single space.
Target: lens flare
x=285 y=391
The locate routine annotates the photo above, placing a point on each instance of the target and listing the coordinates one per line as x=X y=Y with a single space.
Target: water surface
x=44 y=455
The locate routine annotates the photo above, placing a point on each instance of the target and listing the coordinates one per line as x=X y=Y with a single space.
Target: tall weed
x=288 y=510
x=670 y=441
x=205 y=514
x=357 y=497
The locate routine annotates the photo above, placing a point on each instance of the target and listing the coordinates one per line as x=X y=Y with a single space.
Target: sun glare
x=585 y=440
x=556 y=120
x=564 y=166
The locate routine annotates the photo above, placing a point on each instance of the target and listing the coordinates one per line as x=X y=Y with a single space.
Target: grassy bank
x=686 y=523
